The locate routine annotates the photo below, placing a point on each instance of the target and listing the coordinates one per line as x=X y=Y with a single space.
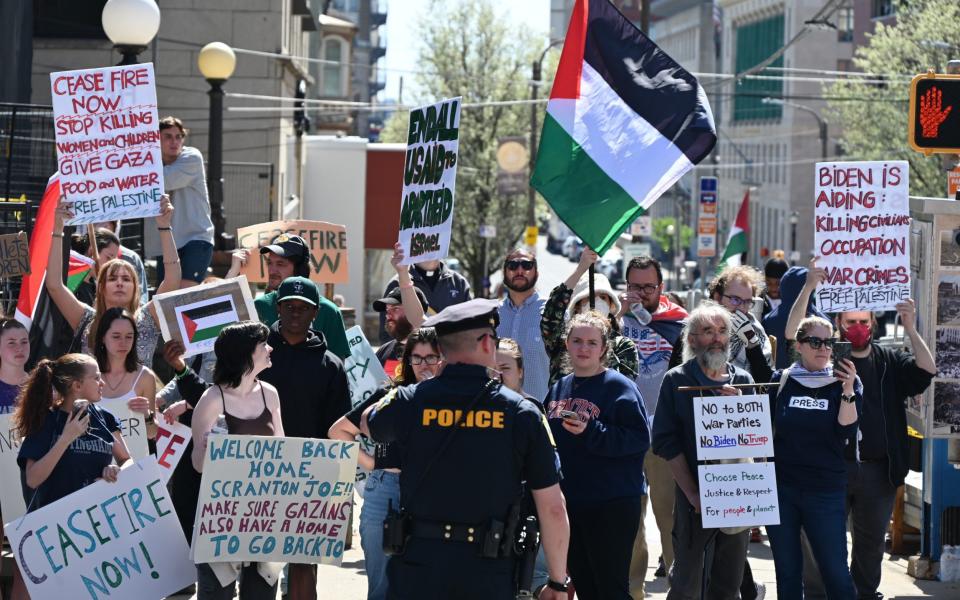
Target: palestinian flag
x=77 y=269
x=624 y=122
x=203 y=320
x=737 y=241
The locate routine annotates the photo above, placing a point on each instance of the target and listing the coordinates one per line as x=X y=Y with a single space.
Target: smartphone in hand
x=79 y=406
x=569 y=414
x=841 y=351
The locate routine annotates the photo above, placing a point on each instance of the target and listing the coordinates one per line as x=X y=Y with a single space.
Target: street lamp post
x=821 y=124
x=534 y=89
x=131 y=25
x=794 y=255
x=216 y=62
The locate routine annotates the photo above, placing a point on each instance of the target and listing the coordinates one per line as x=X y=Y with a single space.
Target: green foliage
x=874 y=118
x=665 y=240
x=468 y=50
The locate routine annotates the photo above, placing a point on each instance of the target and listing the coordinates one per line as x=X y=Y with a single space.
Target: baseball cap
x=298 y=288
x=393 y=297
x=288 y=246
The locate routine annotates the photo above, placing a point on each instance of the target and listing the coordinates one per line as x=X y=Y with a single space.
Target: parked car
x=612 y=269
x=570 y=247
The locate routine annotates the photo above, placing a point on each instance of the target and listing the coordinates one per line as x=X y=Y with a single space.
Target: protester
x=775 y=269
x=735 y=288
x=600 y=427
x=14 y=352
x=520 y=314
x=775 y=323
x=116 y=286
x=108 y=248
x=706 y=338
x=510 y=365
x=185 y=181
x=312 y=384
x=441 y=286
x=243 y=405
x=403 y=308
x=877 y=464
x=131 y=257
x=68 y=441
x=289 y=256
x=381 y=491
x=125 y=379
x=573 y=294
x=816 y=406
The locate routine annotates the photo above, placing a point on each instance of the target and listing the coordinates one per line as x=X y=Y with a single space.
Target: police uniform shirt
x=502 y=441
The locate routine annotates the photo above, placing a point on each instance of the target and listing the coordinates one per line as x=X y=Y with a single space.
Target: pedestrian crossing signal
x=935 y=113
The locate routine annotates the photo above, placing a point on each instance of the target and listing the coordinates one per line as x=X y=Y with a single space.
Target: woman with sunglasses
x=421 y=361
x=815 y=406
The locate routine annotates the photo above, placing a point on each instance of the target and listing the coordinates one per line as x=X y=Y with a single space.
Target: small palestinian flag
x=737 y=242
x=202 y=321
x=77 y=269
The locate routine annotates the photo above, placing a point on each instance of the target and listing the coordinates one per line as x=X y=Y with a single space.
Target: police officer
x=468 y=443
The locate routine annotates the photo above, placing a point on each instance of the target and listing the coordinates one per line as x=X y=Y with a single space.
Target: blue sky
x=402 y=17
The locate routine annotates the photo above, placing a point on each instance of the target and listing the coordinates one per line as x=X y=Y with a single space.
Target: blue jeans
x=195 y=258
x=381 y=489
x=822 y=515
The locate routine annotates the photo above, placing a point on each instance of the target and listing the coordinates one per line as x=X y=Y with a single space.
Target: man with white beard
x=706 y=338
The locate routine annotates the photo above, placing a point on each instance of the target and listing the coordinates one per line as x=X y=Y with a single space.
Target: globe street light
x=216 y=62
x=131 y=25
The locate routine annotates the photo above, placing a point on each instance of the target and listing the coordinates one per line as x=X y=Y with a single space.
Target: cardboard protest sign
x=195 y=316
x=108 y=142
x=328 y=248
x=429 y=181
x=133 y=426
x=12 y=505
x=274 y=500
x=107 y=540
x=14 y=255
x=738 y=495
x=172 y=442
x=733 y=427
x=862 y=234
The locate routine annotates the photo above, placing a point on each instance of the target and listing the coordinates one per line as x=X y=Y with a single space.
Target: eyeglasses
x=816 y=343
x=736 y=301
x=430 y=359
x=513 y=265
x=647 y=288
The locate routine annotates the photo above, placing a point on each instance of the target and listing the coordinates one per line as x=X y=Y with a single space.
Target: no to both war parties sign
x=733 y=427
x=862 y=234
x=108 y=144
x=429 y=181
x=267 y=499
x=107 y=540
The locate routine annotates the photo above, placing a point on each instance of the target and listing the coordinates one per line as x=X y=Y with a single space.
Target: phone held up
x=841 y=351
x=569 y=414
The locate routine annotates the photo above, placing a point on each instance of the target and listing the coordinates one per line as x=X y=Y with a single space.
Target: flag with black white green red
x=78 y=267
x=737 y=242
x=202 y=321
x=624 y=122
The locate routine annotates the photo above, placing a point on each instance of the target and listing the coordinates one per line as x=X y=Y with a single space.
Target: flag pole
x=593 y=301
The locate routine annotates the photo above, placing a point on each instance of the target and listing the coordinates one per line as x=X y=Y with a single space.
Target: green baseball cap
x=298 y=288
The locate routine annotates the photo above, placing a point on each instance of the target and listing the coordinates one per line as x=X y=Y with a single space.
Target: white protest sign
x=132 y=426
x=733 y=427
x=12 y=505
x=172 y=442
x=862 y=234
x=270 y=499
x=738 y=495
x=108 y=142
x=364 y=370
x=107 y=540
x=429 y=181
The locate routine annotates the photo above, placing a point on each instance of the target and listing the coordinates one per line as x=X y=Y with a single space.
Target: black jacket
x=312 y=384
x=449 y=288
x=900 y=378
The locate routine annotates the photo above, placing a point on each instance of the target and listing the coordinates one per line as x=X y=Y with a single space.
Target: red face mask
x=858 y=335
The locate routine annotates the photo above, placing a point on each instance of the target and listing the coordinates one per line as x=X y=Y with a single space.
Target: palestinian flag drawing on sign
x=203 y=320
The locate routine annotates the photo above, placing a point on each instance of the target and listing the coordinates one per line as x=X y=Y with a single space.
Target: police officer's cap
x=473 y=314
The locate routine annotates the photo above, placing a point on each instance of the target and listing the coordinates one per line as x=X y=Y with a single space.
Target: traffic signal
x=935 y=113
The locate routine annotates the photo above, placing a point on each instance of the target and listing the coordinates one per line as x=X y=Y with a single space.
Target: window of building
x=68 y=19
x=754 y=43
x=333 y=76
x=882 y=8
x=845 y=24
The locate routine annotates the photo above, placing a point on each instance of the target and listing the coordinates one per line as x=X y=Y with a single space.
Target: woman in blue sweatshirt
x=600 y=427
x=815 y=410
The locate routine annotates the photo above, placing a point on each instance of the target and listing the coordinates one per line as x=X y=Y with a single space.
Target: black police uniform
x=500 y=442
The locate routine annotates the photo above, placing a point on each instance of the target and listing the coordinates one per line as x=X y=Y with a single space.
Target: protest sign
x=270 y=499
x=132 y=425
x=107 y=540
x=862 y=234
x=429 y=181
x=733 y=427
x=738 y=495
x=195 y=316
x=12 y=505
x=14 y=255
x=108 y=142
x=364 y=370
x=328 y=248
x=172 y=442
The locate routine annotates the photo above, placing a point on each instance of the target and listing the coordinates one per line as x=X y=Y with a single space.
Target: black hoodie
x=311 y=381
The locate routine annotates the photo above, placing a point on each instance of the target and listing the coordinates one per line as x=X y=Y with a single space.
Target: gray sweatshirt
x=185 y=181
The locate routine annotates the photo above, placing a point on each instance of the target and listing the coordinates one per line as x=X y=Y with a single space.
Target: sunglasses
x=430 y=359
x=816 y=343
x=513 y=265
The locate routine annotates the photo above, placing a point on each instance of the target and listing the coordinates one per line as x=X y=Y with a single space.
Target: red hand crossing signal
x=934 y=122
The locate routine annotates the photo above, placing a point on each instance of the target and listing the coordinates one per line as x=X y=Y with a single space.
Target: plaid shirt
x=522 y=324
x=552 y=325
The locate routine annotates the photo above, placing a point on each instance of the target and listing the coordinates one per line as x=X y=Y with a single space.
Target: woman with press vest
x=815 y=407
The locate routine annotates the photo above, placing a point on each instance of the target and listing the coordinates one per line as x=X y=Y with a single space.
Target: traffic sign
x=530 y=235
x=631 y=251
x=953 y=182
x=934 y=123
x=642 y=226
x=488 y=231
x=707 y=223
